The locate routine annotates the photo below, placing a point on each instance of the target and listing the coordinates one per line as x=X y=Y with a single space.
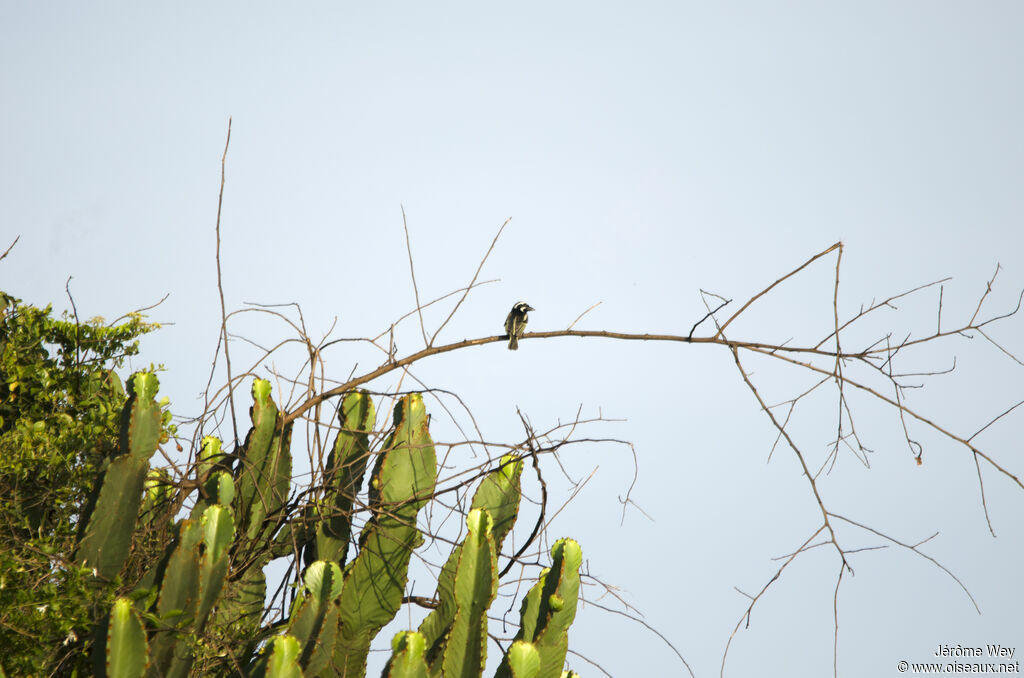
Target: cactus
x=177 y=603
x=215 y=482
x=314 y=618
x=207 y=590
x=218 y=526
x=211 y=457
x=476 y=583
x=240 y=608
x=126 y=650
x=262 y=484
x=280 y=659
x=402 y=482
x=110 y=519
x=408 y=657
x=404 y=475
x=190 y=584
x=158 y=491
x=264 y=471
x=549 y=608
x=460 y=622
x=499 y=495
x=372 y=593
x=523 y=660
x=346 y=465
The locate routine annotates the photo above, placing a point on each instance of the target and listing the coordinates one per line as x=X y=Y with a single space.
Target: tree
x=60 y=402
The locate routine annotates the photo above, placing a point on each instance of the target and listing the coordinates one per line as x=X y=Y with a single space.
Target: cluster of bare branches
x=878 y=358
x=310 y=396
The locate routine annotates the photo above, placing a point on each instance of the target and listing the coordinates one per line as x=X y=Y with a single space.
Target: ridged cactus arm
x=157 y=492
x=280 y=472
x=372 y=593
x=280 y=659
x=523 y=660
x=221 y=488
x=531 y=611
x=211 y=456
x=190 y=585
x=402 y=482
x=346 y=466
x=528 y=619
x=239 y=610
x=314 y=618
x=127 y=653
x=558 y=609
x=218 y=527
x=476 y=582
x=499 y=494
x=272 y=490
x=209 y=462
x=110 y=520
x=408 y=656
x=141 y=419
x=177 y=604
x=261 y=485
x=283 y=661
x=255 y=458
x=436 y=624
x=549 y=608
x=406 y=471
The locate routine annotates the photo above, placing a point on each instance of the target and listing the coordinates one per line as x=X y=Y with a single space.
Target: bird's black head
x=521 y=307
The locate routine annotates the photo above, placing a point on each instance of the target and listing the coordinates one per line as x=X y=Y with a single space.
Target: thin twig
x=412 y=272
x=8 y=250
x=530 y=438
x=768 y=289
x=580 y=316
x=223 y=337
x=471 y=285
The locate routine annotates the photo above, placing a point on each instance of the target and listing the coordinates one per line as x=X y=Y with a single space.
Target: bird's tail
x=513 y=343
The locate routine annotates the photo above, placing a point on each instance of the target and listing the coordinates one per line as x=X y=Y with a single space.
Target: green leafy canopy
x=60 y=403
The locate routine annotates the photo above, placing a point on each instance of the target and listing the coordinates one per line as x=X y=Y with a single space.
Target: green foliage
x=60 y=407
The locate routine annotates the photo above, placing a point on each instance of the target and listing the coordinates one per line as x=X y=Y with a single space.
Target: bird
x=515 y=323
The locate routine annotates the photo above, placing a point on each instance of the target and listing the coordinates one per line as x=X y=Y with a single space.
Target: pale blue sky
x=643 y=151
